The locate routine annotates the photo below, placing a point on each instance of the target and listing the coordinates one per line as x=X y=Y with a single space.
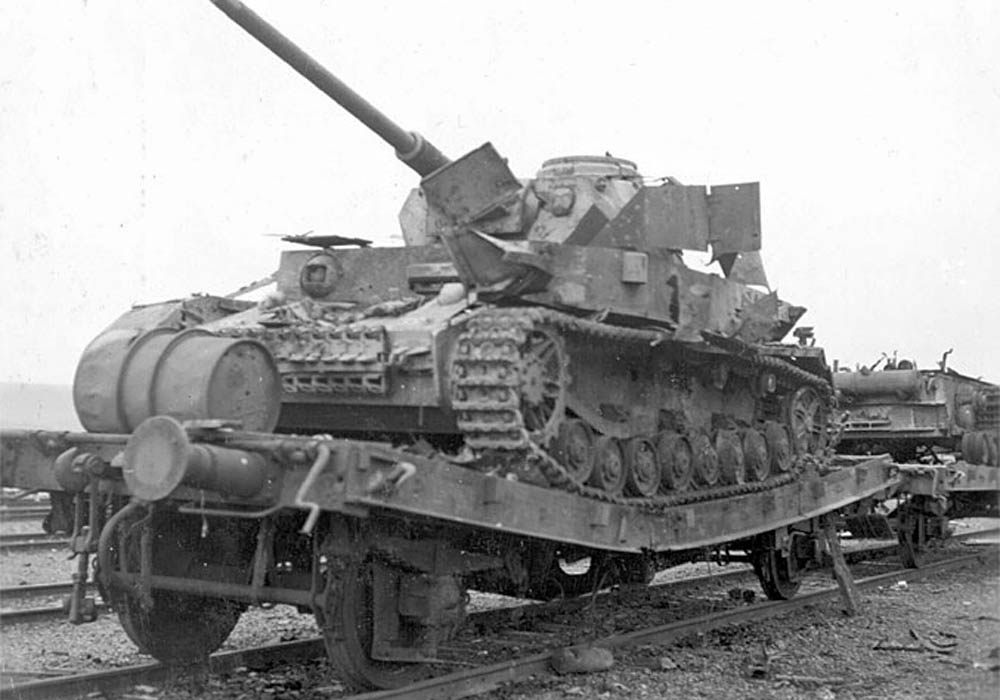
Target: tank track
x=486 y=377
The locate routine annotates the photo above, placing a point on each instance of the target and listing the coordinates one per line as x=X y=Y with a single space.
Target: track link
x=487 y=372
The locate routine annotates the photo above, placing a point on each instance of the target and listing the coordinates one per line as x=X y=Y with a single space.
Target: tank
x=550 y=317
x=534 y=379
x=919 y=414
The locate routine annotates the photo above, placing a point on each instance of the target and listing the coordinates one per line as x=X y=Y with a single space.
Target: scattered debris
x=806 y=680
x=668 y=664
x=747 y=595
x=332 y=688
x=991 y=663
x=759 y=667
x=584 y=659
x=924 y=643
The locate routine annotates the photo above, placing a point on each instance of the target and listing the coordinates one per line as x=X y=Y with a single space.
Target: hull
x=911 y=413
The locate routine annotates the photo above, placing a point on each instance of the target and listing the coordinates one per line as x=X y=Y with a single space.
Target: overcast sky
x=147 y=148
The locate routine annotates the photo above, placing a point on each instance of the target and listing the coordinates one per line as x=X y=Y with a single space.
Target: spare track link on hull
x=486 y=380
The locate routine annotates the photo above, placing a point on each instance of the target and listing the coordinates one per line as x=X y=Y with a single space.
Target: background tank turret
x=919 y=413
x=544 y=326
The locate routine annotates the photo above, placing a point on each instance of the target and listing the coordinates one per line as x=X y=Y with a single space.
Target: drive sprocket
x=509 y=378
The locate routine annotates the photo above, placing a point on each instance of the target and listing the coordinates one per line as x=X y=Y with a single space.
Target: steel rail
x=121 y=679
x=14 y=616
x=16 y=513
x=53 y=612
x=35 y=590
x=482 y=679
x=25 y=500
x=469 y=681
x=32 y=541
x=116 y=680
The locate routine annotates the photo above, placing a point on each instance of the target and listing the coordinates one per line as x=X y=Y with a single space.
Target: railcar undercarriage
x=382 y=545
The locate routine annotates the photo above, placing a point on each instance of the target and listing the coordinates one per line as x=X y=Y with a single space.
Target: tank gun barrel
x=411 y=148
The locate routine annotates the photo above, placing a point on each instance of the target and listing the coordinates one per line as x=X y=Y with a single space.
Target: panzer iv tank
x=549 y=318
x=915 y=413
x=534 y=378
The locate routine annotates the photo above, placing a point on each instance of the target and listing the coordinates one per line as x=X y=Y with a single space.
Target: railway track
x=469 y=681
x=32 y=541
x=479 y=680
x=19 y=513
x=36 y=590
x=38 y=613
x=54 y=612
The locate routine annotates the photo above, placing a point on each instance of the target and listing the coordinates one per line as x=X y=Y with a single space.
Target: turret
x=578 y=200
x=582 y=218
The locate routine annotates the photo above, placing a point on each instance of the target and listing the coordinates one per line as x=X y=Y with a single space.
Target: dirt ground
x=937 y=638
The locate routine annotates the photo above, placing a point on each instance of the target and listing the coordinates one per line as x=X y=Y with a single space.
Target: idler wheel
x=642 y=468
x=779 y=446
x=756 y=459
x=807 y=414
x=676 y=462
x=575 y=449
x=731 y=462
x=609 y=466
x=705 y=460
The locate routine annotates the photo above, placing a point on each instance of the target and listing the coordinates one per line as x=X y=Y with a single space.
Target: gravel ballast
x=936 y=638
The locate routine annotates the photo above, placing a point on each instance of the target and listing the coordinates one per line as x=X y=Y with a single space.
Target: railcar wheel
x=171 y=626
x=609 y=466
x=347 y=626
x=758 y=464
x=676 y=463
x=778 y=575
x=544 y=378
x=575 y=449
x=180 y=627
x=705 y=460
x=732 y=463
x=642 y=468
x=779 y=446
x=635 y=570
x=807 y=420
